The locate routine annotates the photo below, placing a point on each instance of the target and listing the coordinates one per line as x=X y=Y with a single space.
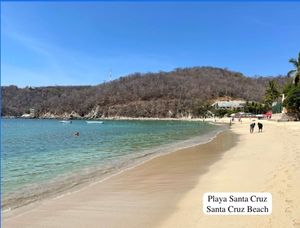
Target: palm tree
x=295 y=72
x=272 y=92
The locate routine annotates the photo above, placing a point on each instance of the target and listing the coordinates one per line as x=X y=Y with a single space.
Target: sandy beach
x=167 y=191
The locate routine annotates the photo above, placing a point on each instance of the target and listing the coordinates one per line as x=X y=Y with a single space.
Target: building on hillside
x=26 y=115
x=32 y=112
x=229 y=105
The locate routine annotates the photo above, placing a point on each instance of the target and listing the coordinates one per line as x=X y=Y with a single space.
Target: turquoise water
x=40 y=157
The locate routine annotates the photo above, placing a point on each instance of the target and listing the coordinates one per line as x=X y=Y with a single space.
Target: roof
x=229 y=104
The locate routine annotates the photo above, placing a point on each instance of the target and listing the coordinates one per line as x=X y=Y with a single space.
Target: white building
x=229 y=104
x=31 y=114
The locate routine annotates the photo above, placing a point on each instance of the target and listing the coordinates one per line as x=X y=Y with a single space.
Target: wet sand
x=140 y=197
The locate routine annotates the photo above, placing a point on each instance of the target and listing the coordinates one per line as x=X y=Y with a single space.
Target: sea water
x=42 y=158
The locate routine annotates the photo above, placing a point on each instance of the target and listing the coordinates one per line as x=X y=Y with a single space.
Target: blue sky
x=77 y=43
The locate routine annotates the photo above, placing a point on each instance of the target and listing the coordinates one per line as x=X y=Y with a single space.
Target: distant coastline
x=59 y=117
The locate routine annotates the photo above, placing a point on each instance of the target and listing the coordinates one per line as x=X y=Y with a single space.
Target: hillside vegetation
x=178 y=93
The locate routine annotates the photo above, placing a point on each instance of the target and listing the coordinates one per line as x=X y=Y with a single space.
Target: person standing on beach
x=252 y=127
x=260 y=127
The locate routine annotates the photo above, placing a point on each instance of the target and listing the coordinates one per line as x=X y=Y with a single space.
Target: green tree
x=272 y=93
x=255 y=107
x=292 y=101
x=296 y=72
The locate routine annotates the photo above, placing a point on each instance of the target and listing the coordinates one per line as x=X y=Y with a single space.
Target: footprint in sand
x=286 y=171
x=288 y=210
x=270 y=222
x=296 y=222
x=288 y=201
x=269 y=181
x=281 y=193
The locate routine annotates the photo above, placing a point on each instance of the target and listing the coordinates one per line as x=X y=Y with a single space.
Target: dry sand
x=167 y=191
x=261 y=162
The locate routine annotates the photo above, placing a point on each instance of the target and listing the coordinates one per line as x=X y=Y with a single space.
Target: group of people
x=260 y=127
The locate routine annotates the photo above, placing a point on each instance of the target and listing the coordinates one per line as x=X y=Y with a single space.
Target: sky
x=79 y=43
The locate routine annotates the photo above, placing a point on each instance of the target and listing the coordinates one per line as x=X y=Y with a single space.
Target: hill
x=182 y=92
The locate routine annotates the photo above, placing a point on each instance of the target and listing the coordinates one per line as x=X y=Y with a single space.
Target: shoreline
x=122 y=175
x=58 y=188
